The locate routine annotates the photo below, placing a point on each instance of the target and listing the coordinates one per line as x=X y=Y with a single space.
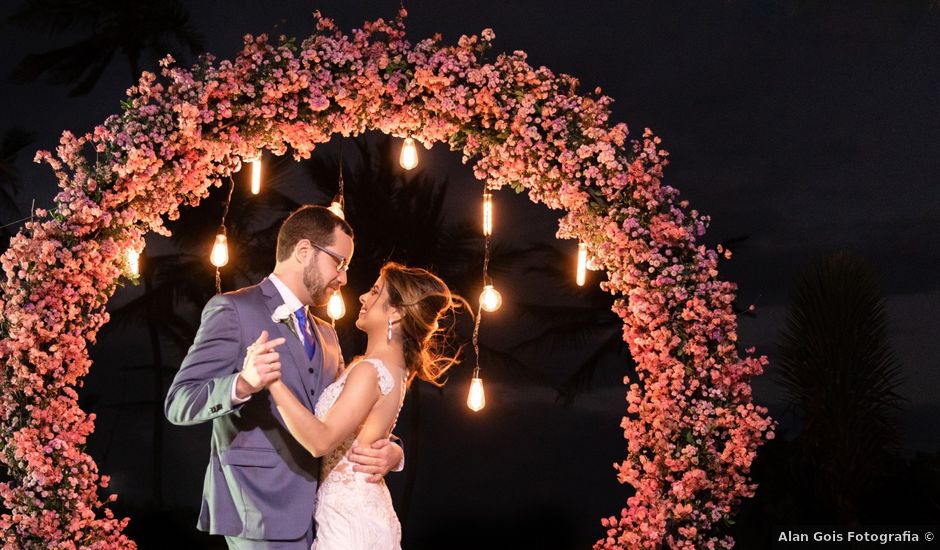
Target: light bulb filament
x=487 y=214
x=256 y=176
x=582 y=263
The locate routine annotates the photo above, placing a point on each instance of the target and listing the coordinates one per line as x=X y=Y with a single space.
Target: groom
x=260 y=486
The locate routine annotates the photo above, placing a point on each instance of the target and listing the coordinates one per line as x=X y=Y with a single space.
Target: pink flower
x=691 y=429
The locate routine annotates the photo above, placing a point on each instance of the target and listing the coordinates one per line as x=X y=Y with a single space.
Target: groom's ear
x=301 y=250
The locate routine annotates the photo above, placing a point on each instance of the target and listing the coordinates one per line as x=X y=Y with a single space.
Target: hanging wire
x=32 y=214
x=342 y=195
x=228 y=201
x=476 y=341
x=21 y=220
x=479 y=316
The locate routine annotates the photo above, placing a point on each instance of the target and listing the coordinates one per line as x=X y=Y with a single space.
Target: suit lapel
x=295 y=371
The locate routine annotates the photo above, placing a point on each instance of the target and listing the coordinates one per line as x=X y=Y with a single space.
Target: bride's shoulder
x=382 y=373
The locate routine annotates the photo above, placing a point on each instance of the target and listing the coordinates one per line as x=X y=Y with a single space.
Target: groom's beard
x=314 y=284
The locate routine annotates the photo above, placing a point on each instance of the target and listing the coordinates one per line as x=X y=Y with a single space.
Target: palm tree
x=842 y=377
x=141 y=31
x=13 y=141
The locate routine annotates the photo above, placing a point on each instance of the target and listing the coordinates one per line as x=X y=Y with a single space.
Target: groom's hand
x=262 y=366
x=376 y=460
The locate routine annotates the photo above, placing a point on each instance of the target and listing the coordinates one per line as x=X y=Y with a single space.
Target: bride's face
x=374 y=313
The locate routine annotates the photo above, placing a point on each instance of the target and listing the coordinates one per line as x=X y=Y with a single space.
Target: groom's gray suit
x=260 y=484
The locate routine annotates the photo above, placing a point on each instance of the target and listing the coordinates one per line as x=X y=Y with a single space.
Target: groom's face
x=325 y=272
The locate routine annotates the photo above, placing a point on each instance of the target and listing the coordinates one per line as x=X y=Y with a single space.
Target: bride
x=400 y=317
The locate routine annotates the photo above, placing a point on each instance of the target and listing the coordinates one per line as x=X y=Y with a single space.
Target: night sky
x=800 y=127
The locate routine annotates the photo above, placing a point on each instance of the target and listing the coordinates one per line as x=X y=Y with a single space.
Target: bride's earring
x=390 y=330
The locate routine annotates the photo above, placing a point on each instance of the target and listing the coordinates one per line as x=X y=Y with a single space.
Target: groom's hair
x=315 y=223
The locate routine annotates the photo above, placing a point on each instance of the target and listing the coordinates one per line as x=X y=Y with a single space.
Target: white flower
x=282 y=313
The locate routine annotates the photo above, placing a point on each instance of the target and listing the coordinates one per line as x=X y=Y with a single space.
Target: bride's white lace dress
x=351 y=513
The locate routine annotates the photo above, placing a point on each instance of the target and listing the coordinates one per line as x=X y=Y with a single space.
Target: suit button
x=310 y=370
x=313 y=392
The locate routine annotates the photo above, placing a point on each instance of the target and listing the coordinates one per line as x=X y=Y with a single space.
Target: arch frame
x=691 y=427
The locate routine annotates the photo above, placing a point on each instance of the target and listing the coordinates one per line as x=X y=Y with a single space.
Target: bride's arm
x=359 y=394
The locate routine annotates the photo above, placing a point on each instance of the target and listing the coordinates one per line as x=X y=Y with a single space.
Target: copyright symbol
x=928 y=536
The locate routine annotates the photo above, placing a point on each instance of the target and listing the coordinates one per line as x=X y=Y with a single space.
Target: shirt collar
x=289 y=298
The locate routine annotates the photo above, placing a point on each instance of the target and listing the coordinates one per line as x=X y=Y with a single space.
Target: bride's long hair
x=423 y=299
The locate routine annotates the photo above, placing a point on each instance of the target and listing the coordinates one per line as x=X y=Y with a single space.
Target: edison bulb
x=582 y=263
x=409 y=154
x=337 y=208
x=335 y=308
x=487 y=214
x=256 y=176
x=132 y=260
x=490 y=298
x=476 y=399
x=219 y=255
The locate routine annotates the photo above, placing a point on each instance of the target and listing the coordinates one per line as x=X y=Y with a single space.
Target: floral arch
x=691 y=427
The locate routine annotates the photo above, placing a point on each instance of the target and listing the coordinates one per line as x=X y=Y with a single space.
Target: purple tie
x=305 y=336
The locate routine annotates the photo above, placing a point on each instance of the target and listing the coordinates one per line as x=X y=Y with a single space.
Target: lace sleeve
x=386 y=381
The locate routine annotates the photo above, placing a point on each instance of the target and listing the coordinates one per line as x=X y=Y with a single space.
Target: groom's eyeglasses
x=342 y=264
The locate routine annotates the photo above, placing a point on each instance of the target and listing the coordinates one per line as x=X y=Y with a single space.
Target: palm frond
x=839 y=370
x=106 y=27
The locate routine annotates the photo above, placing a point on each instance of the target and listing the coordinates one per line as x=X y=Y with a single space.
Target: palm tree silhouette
x=842 y=377
x=583 y=320
x=141 y=31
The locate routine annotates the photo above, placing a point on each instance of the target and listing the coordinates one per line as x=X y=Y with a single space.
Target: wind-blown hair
x=423 y=299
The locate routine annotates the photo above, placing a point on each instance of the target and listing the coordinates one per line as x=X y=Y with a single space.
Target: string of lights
x=490 y=298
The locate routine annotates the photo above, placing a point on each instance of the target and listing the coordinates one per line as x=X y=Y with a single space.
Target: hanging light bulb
x=337 y=208
x=490 y=298
x=219 y=255
x=487 y=213
x=256 y=176
x=409 y=154
x=335 y=308
x=582 y=263
x=476 y=399
x=132 y=260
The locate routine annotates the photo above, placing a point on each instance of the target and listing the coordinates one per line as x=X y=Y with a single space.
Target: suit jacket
x=260 y=483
